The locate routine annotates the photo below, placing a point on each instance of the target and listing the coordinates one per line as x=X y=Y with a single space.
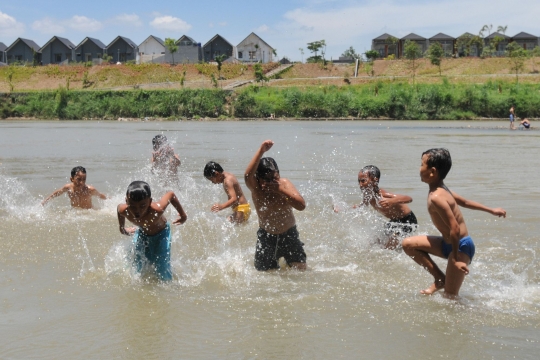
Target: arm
x=94 y=192
x=292 y=195
x=58 y=192
x=122 y=221
x=249 y=176
x=170 y=198
x=473 y=205
x=231 y=193
x=390 y=199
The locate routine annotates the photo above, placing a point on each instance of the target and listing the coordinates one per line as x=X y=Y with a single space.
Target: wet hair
x=372 y=171
x=266 y=166
x=211 y=169
x=158 y=141
x=76 y=170
x=439 y=159
x=138 y=190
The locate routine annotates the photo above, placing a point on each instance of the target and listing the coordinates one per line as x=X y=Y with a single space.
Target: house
x=468 y=44
x=385 y=45
x=122 y=49
x=23 y=51
x=447 y=42
x=501 y=46
x=417 y=39
x=189 y=51
x=57 y=50
x=3 y=56
x=254 y=49
x=218 y=45
x=526 y=40
x=152 y=50
x=90 y=49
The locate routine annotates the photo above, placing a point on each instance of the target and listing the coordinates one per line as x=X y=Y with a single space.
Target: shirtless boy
x=80 y=194
x=455 y=244
x=164 y=161
x=241 y=210
x=392 y=206
x=274 y=199
x=512 y=117
x=153 y=235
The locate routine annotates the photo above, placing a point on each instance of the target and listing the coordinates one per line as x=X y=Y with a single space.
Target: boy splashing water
x=153 y=235
x=165 y=162
x=455 y=244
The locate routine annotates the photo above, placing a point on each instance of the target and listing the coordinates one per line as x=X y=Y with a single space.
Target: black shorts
x=271 y=247
x=401 y=227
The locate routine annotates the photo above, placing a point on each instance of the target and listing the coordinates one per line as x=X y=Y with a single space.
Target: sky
x=285 y=25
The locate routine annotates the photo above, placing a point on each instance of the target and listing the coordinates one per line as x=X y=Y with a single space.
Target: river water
x=68 y=290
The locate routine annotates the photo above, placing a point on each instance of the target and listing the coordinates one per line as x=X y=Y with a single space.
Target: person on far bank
x=512 y=117
x=236 y=199
x=454 y=244
x=274 y=199
x=80 y=194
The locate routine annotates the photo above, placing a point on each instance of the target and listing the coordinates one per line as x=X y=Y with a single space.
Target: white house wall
x=151 y=47
x=263 y=53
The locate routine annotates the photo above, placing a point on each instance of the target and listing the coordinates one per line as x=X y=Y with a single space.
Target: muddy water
x=68 y=290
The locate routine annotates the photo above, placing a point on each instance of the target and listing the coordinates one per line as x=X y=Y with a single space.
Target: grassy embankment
x=395 y=100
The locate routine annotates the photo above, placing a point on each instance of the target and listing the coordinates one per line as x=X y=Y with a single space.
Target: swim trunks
x=156 y=250
x=511 y=118
x=401 y=227
x=466 y=246
x=526 y=125
x=244 y=209
x=270 y=248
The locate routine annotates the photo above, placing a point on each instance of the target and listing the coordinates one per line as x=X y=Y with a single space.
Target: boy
x=153 y=235
x=512 y=116
x=241 y=210
x=274 y=198
x=525 y=123
x=80 y=194
x=455 y=244
x=392 y=206
x=164 y=161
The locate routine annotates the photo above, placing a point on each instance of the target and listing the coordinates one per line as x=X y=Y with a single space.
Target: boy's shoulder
x=439 y=195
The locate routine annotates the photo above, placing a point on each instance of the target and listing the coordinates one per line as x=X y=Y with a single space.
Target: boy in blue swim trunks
x=455 y=244
x=153 y=236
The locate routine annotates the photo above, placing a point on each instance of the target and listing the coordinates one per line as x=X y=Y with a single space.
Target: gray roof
x=259 y=39
x=524 y=35
x=30 y=43
x=95 y=41
x=185 y=37
x=128 y=41
x=64 y=41
x=491 y=36
x=3 y=46
x=441 y=36
x=466 y=34
x=384 y=37
x=413 y=36
x=159 y=40
x=217 y=35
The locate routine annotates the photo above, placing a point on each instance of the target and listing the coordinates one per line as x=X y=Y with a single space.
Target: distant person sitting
x=80 y=194
x=241 y=210
x=165 y=162
x=525 y=123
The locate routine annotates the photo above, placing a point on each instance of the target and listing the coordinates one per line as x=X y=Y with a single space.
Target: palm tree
x=487 y=28
x=502 y=29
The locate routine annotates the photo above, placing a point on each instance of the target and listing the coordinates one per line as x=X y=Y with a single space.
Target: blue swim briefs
x=466 y=246
x=156 y=250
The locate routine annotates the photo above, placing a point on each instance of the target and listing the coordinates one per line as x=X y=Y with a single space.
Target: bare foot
x=436 y=286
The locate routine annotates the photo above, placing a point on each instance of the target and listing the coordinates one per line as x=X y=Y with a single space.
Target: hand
x=462 y=267
x=336 y=209
x=216 y=208
x=500 y=212
x=385 y=202
x=179 y=221
x=129 y=230
x=266 y=145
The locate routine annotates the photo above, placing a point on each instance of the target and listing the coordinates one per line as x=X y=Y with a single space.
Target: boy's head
x=138 y=198
x=212 y=172
x=267 y=171
x=158 y=141
x=78 y=176
x=436 y=164
x=368 y=177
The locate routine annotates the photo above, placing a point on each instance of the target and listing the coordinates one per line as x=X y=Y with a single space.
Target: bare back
x=231 y=181
x=441 y=207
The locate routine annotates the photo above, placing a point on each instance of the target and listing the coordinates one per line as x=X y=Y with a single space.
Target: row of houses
x=387 y=44
x=60 y=50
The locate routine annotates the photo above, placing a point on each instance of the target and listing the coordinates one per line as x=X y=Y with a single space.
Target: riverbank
x=379 y=100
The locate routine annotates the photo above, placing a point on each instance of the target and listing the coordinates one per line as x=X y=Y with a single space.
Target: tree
x=301 y=54
x=435 y=53
x=371 y=55
x=259 y=74
x=170 y=44
x=392 y=42
x=314 y=47
x=502 y=29
x=220 y=59
x=350 y=52
x=412 y=53
x=516 y=55
x=485 y=28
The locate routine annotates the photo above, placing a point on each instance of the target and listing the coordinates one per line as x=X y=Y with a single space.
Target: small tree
x=487 y=28
x=220 y=59
x=516 y=55
x=392 y=42
x=502 y=29
x=259 y=74
x=170 y=44
x=9 y=76
x=314 y=47
x=371 y=55
x=412 y=53
x=435 y=53
x=350 y=52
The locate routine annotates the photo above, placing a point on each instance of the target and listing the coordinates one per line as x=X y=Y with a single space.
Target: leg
x=298 y=265
x=237 y=217
x=419 y=248
x=454 y=276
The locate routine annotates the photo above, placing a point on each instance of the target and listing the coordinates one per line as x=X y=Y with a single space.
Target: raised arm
x=292 y=195
x=249 y=176
x=56 y=193
x=170 y=198
x=473 y=205
x=390 y=199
